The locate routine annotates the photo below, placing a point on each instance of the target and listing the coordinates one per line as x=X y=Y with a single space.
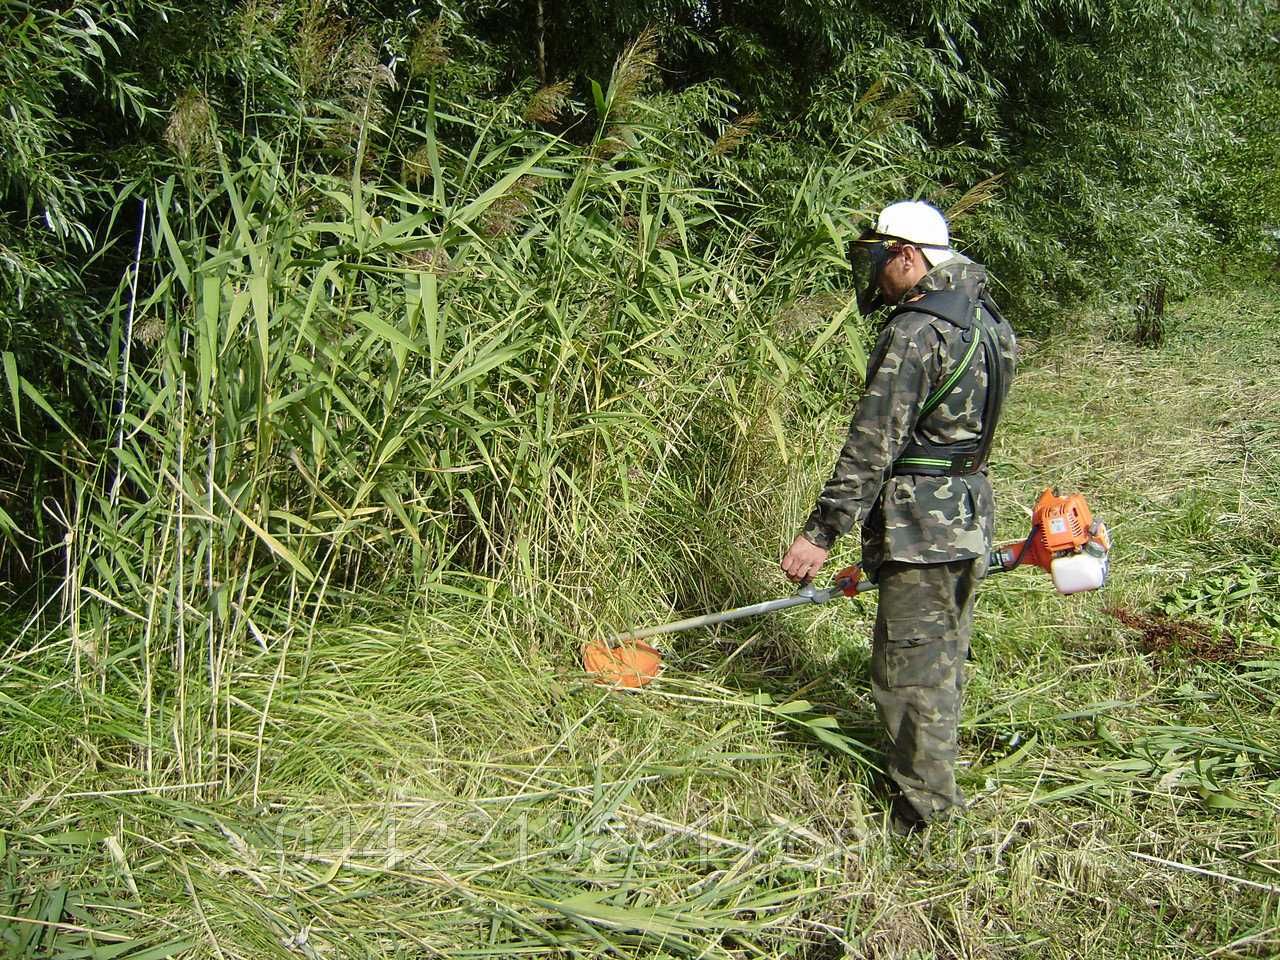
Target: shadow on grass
x=778 y=661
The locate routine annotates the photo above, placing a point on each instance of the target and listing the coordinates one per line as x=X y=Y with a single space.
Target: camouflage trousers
x=918 y=652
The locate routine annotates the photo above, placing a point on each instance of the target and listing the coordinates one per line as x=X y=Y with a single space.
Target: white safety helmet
x=919 y=224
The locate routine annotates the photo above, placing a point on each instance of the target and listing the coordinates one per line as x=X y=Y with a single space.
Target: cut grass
x=440 y=781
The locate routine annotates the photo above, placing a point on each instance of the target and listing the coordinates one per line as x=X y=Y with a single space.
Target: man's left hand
x=803 y=560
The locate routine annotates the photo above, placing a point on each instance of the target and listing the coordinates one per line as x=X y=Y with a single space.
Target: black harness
x=977 y=317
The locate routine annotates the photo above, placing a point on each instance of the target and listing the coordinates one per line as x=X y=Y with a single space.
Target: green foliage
x=57 y=70
x=1243 y=599
x=49 y=56
x=60 y=79
x=1238 y=194
x=1108 y=123
x=45 y=915
x=440 y=369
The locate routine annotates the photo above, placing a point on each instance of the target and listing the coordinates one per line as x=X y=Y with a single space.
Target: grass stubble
x=433 y=777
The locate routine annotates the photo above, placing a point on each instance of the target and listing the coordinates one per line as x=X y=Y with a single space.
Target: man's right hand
x=803 y=560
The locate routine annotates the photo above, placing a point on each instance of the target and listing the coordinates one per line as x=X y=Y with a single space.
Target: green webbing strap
x=924 y=462
x=935 y=399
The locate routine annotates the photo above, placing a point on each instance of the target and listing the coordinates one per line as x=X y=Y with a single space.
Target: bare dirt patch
x=1170 y=638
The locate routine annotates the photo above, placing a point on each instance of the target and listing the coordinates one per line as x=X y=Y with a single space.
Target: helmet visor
x=867 y=258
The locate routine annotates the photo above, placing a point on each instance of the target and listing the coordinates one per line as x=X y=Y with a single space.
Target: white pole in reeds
x=128 y=343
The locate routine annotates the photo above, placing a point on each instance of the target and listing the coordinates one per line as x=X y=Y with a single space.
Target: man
x=912 y=472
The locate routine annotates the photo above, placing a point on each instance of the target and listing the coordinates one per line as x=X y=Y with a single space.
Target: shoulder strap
x=996 y=388
x=922 y=458
x=935 y=399
x=951 y=305
x=960 y=310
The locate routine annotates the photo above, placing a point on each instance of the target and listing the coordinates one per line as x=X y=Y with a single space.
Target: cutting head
x=630 y=664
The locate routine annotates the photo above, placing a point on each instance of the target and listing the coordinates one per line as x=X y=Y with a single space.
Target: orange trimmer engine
x=1065 y=540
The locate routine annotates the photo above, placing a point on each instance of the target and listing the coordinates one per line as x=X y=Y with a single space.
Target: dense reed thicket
x=202 y=196
x=497 y=363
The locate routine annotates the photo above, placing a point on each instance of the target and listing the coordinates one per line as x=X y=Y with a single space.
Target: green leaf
x=74 y=837
x=163 y=203
x=1009 y=760
x=38 y=399
x=207 y=342
x=7 y=525
x=474 y=507
x=385 y=330
x=1062 y=793
x=504 y=183
x=831 y=329
x=793 y=707
x=11 y=375
x=828 y=723
x=486 y=362
x=1224 y=800
x=260 y=295
x=274 y=545
x=839 y=742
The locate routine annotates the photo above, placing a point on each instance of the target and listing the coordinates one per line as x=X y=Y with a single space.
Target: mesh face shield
x=867 y=258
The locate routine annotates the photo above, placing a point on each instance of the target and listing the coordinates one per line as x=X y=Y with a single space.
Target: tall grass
x=514 y=367
x=402 y=405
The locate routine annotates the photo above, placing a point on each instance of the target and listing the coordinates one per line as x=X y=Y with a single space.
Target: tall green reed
x=521 y=371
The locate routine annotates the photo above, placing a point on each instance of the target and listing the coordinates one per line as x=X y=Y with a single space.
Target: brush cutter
x=1065 y=540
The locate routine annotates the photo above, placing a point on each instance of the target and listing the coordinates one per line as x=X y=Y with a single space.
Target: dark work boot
x=903 y=817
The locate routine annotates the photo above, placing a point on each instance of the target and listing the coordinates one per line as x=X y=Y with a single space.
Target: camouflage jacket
x=915 y=519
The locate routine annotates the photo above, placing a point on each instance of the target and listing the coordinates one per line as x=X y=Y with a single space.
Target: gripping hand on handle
x=803 y=560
